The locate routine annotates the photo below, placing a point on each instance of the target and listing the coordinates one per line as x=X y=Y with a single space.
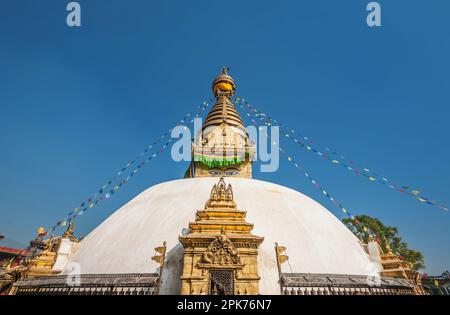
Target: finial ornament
x=225 y=70
x=388 y=246
x=223 y=84
x=41 y=231
x=69 y=232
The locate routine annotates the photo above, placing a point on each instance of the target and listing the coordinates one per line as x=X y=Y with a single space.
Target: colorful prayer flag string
x=324 y=192
x=104 y=194
x=351 y=166
x=200 y=109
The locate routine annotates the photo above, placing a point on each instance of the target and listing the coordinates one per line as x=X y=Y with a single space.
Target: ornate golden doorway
x=221 y=282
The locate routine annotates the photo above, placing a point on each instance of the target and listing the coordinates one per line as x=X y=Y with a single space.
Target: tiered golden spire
x=223 y=147
x=223 y=112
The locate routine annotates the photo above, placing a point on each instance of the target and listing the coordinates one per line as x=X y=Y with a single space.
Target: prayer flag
x=281 y=249
x=160 y=249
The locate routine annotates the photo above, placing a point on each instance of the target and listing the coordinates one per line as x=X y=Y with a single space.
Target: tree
x=386 y=235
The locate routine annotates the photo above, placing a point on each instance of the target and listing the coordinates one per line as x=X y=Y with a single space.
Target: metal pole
x=279 y=267
x=161 y=268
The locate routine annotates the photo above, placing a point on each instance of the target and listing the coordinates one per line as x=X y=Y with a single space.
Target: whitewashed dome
x=316 y=241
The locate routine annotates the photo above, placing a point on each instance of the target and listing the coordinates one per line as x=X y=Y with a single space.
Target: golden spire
x=223 y=112
x=223 y=147
x=69 y=231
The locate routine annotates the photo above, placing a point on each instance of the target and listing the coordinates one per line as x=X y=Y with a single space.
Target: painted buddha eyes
x=228 y=171
x=231 y=171
x=215 y=172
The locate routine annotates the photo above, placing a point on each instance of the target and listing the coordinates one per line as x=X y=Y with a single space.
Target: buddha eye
x=231 y=171
x=215 y=172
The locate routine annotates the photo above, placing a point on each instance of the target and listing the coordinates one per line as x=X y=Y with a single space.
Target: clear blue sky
x=77 y=104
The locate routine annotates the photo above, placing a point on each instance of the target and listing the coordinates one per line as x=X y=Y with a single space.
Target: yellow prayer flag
x=415 y=192
x=283 y=259
x=158 y=259
x=436 y=283
x=281 y=249
x=160 y=249
x=421 y=199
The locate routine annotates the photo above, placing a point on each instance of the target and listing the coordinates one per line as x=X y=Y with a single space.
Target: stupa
x=217 y=231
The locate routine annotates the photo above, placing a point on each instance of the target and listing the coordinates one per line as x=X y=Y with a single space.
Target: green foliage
x=387 y=235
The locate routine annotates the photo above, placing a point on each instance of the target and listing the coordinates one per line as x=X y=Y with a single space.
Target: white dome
x=316 y=241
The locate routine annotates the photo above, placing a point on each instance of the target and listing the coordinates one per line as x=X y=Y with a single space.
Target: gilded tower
x=223 y=147
x=220 y=252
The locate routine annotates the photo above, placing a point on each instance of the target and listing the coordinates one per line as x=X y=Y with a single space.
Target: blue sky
x=79 y=103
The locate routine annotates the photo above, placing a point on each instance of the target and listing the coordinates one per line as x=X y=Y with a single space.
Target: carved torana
x=221 y=251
